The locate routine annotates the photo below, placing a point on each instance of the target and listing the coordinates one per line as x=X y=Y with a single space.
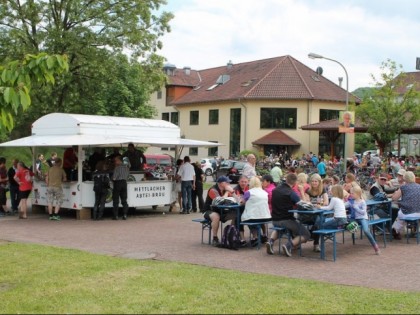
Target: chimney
x=187 y=70
x=229 y=64
x=340 y=81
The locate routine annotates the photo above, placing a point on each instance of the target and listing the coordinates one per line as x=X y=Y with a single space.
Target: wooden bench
x=281 y=231
x=205 y=225
x=412 y=223
x=328 y=234
x=258 y=225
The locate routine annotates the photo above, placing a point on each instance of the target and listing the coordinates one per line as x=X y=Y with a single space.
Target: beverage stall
x=90 y=131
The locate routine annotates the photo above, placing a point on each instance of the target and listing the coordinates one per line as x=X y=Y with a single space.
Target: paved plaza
x=150 y=234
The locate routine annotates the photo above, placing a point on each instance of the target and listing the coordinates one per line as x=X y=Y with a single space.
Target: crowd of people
x=271 y=196
x=18 y=179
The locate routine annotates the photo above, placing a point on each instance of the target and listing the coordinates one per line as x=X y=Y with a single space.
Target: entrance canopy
x=277 y=137
x=63 y=130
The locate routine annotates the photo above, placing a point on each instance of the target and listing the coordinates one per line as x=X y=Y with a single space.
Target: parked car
x=156 y=161
x=372 y=152
x=230 y=168
x=206 y=166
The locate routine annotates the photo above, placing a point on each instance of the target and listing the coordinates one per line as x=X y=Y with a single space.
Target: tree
x=17 y=78
x=391 y=105
x=94 y=35
x=363 y=142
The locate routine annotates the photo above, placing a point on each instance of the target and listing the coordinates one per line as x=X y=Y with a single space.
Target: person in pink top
x=23 y=177
x=268 y=185
x=301 y=185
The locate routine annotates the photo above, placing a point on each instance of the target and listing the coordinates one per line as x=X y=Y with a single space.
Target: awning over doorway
x=332 y=125
x=276 y=137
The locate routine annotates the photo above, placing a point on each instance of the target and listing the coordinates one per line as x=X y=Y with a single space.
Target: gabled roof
x=277 y=137
x=274 y=78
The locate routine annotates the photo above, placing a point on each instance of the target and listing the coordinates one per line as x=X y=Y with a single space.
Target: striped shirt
x=121 y=172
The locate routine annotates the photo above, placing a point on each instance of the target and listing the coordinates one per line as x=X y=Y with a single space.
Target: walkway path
x=175 y=237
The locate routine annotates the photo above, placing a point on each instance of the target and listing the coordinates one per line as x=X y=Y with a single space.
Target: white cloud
x=207 y=34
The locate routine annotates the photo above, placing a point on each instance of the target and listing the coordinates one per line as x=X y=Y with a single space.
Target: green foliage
x=246 y=152
x=72 y=281
x=391 y=105
x=262 y=171
x=362 y=92
x=24 y=154
x=94 y=35
x=16 y=81
x=363 y=142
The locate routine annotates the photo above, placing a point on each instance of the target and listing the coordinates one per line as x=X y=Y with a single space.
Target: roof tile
x=274 y=78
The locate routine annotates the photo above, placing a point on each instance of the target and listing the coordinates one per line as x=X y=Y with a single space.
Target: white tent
x=63 y=130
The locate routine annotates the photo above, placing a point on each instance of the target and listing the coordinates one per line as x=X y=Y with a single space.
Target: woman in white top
x=256 y=208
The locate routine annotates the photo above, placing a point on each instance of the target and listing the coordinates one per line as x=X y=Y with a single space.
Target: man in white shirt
x=187 y=175
x=249 y=168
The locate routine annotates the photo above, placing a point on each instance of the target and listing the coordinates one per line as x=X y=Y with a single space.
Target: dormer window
x=222 y=79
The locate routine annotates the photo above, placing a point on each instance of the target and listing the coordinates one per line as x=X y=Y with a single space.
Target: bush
x=246 y=152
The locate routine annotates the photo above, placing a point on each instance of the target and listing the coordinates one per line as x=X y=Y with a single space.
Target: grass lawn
x=207 y=185
x=44 y=279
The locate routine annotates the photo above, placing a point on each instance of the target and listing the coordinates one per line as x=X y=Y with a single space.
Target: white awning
x=63 y=130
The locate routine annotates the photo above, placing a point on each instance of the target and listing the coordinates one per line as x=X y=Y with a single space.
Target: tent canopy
x=63 y=130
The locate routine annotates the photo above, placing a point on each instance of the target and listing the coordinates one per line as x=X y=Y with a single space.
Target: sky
x=359 y=34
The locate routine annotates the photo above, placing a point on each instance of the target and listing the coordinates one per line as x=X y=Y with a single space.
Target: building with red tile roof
x=258 y=105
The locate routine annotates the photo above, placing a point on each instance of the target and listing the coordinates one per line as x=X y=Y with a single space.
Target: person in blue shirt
x=314 y=160
x=322 y=168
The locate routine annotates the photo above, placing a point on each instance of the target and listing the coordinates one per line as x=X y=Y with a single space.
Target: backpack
x=380 y=196
x=101 y=183
x=305 y=218
x=230 y=238
x=224 y=201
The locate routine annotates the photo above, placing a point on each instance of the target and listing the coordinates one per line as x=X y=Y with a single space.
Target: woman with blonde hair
x=316 y=193
x=256 y=208
x=358 y=213
x=301 y=185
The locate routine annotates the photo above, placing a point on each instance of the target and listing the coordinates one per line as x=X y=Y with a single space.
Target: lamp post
x=316 y=56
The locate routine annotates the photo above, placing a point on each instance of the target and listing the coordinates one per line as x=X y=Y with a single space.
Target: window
x=235 y=132
x=213 y=117
x=212 y=150
x=159 y=94
x=194 y=117
x=328 y=114
x=193 y=151
x=175 y=118
x=165 y=116
x=275 y=118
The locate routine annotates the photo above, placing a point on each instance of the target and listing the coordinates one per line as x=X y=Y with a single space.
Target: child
x=358 y=213
x=340 y=216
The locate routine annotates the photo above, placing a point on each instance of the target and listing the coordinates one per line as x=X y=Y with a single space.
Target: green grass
x=44 y=279
x=207 y=185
